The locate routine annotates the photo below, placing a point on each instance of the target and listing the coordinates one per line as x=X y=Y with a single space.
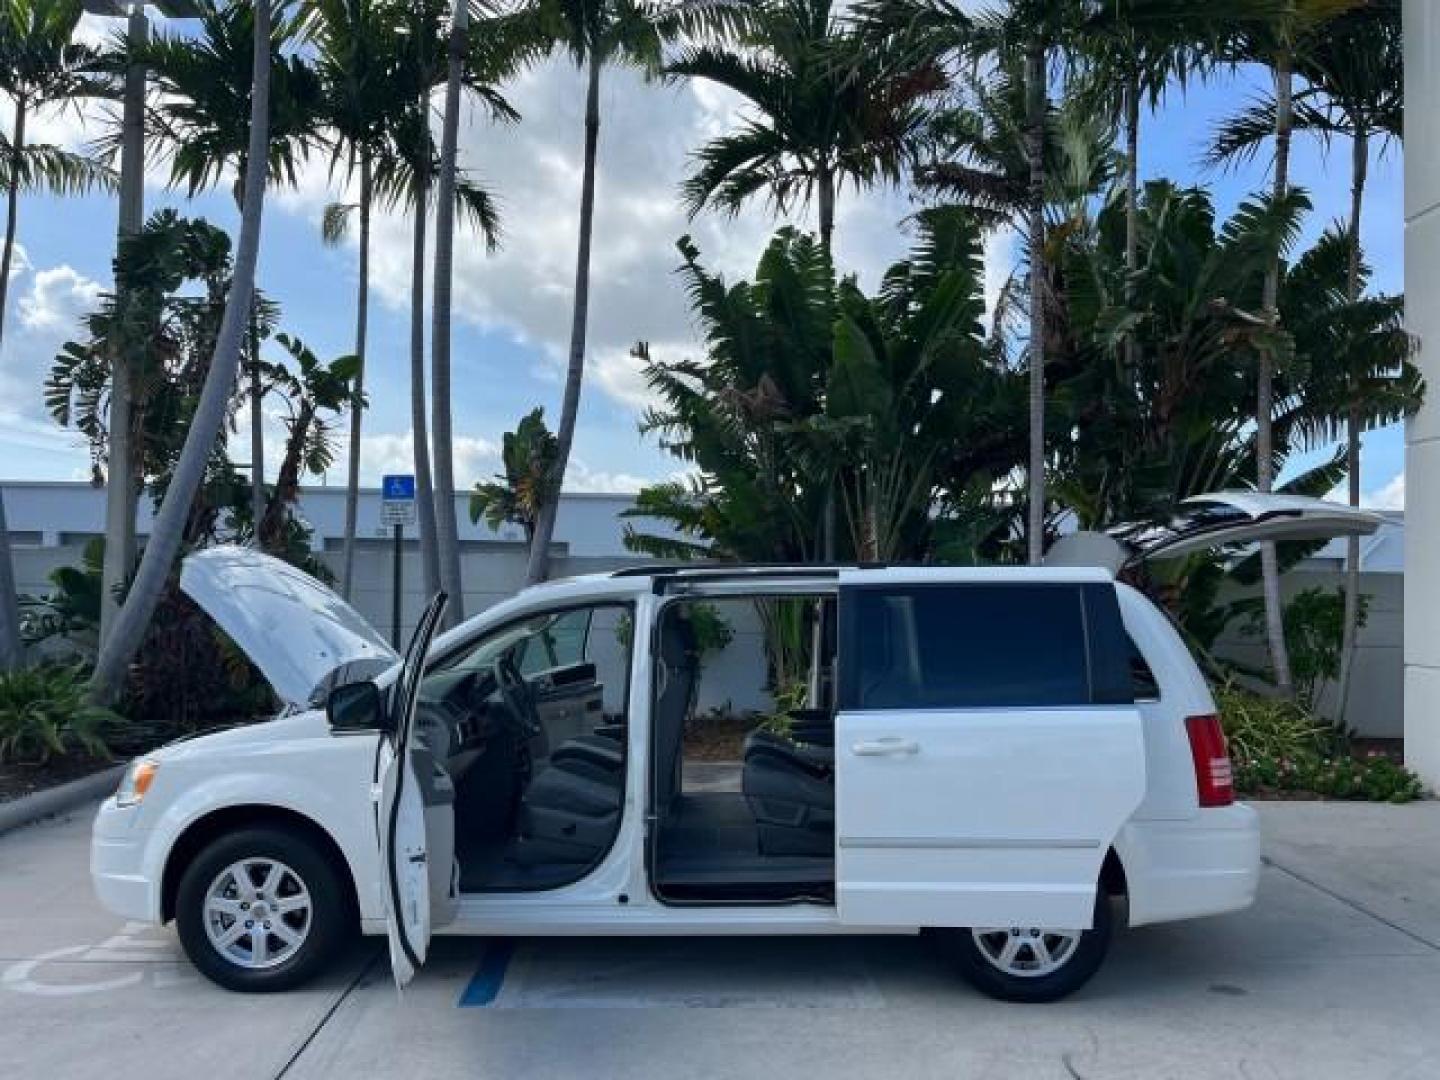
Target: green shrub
x=1279 y=746
x=1260 y=728
x=44 y=714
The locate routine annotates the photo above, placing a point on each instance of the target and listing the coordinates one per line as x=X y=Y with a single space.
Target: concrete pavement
x=1334 y=973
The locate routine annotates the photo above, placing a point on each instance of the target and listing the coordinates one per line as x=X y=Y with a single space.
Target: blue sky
x=513 y=309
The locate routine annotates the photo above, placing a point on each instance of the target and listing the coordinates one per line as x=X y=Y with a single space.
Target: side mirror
x=357 y=706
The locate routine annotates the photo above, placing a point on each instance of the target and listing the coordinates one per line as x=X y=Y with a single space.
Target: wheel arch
x=200 y=832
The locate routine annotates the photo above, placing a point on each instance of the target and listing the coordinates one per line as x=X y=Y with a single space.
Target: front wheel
x=1028 y=964
x=261 y=909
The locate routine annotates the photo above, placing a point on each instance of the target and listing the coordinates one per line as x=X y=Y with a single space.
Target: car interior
x=530 y=725
x=763 y=831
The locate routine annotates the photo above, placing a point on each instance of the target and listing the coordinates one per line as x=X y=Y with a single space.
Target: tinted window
x=1143 y=683
x=961 y=646
x=1110 y=647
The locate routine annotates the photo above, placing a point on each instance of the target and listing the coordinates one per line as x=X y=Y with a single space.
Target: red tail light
x=1213 y=779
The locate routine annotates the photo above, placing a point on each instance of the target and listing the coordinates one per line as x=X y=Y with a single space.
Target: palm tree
x=446 y=529
x=202 y=124
x=355 y=44
x=210 y=412
x=476 y=63
x=1354 y=89
x=40 y=66
x=407 y=175
x=1022 y=35
x=597 y=33
x=829 y=107
x=1279 y=42
x=1133 y=52
x=516 y=495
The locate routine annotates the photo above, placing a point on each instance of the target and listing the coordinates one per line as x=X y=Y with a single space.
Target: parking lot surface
x=1334 y=973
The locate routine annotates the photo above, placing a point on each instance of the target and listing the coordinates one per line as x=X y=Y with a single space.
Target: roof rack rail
x=718 y=569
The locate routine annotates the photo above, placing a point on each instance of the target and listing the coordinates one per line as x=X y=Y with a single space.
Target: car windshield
x=491 y=649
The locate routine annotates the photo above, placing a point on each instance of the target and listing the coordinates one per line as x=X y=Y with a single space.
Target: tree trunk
x=12 y=650
x=357 y=407
x=271 y=530
x=539 y=566
x=424 y=489
x=826 y=200
x=122 y=467
x=210 y=412
x=257 y=429
x=1265 y=391
x=447 y=532
x=1360 y=165
x=1132 y=180
x=12 y=213
x=1132 y=206
x=1036 y=104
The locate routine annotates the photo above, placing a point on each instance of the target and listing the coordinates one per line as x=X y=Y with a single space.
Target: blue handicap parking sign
x=397 y=488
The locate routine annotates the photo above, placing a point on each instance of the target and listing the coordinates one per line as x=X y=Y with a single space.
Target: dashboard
x=457 y=715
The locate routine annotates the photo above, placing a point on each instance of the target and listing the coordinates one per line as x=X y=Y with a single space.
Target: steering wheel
x=515 y=692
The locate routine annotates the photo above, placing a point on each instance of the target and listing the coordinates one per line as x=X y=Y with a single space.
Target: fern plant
x=44 y=714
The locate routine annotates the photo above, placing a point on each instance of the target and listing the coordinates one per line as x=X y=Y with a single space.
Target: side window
x=1143 y=683
x=964 y=646
x=1110 y=646
x=560 y=642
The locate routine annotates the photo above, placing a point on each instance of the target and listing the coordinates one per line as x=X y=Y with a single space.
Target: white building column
x=1422 y=433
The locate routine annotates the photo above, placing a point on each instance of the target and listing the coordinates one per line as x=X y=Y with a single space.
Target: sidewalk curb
x=58 y=799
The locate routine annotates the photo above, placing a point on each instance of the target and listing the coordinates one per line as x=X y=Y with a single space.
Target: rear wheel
x=1028 y=964
x=261 y=909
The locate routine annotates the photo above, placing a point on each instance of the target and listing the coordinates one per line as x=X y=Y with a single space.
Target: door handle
x=891 y=746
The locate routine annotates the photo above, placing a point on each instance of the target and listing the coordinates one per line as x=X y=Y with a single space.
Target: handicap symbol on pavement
x=129 y=947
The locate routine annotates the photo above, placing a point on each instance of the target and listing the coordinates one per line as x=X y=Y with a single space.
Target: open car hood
x=1216 y=520
x=303 y=638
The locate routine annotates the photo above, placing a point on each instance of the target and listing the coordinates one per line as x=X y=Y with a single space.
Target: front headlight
x=136 y=781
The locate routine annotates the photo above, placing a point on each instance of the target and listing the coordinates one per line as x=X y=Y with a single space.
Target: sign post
x=397 y=509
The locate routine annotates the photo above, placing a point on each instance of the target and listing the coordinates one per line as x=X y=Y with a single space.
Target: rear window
x=985 y=644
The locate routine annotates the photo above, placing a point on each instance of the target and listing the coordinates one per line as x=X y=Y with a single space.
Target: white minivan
x=1005 y=756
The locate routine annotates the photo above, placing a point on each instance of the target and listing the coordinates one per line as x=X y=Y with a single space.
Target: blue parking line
x=484 y=985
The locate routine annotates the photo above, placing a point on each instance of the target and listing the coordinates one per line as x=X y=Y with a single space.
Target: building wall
x=1376 y=707
x=1422 y=433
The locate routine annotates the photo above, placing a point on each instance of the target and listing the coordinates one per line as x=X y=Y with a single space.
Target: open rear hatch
x=1205 y=522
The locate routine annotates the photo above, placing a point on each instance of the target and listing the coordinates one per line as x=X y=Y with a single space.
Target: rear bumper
x=117 y=857
x=1207 y=865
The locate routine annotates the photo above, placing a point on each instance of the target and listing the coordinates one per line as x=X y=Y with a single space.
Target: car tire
x=1003 y=963
x=299 y=924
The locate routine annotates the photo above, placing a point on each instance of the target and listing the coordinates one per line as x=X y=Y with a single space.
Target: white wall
x=1422 y=433
x=1376 y=706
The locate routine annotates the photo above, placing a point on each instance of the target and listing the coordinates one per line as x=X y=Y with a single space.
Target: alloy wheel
x=258 y=913
x=1026 y=952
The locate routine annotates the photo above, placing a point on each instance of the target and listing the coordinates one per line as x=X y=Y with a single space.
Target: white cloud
x=58 y=298
x=647 y=134
x=1390 y=496
x=45 y=316
x=382 y=453
x=581 y=477
x=475 y=460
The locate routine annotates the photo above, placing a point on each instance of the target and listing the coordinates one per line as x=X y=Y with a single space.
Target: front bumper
x=1207 y=865
x=117 y=864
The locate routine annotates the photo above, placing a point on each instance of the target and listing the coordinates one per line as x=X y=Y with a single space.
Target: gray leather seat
x=570 y=811
x=791 y=791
